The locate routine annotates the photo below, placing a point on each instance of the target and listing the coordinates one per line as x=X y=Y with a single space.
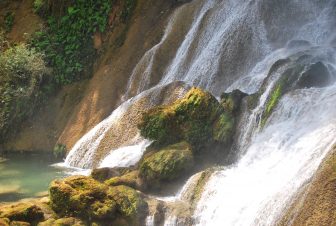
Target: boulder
x=190 y=118
x=82 y=197
x=167 y=164
x=88 y=199
x=26 y=212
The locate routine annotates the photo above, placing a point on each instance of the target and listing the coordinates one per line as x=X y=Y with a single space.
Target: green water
x=26 y=176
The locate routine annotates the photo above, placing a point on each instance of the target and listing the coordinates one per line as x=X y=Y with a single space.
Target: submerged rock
x=167 y=164
x=22 y=212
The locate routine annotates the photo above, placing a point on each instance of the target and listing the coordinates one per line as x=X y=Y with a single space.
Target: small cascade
x=117 y=135
x=125 y=156
x=83 y=151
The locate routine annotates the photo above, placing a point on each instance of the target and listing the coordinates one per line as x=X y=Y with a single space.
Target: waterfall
x=235 y=44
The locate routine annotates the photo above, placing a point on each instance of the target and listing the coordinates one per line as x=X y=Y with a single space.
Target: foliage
x=22 y=71
x=38 y=5
x=59 y=151
x=67 y=40
x=9 y=21
x=223 y=128
x=3 y=42
x=128 y=9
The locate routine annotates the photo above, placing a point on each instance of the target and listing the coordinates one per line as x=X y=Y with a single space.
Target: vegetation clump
x=9 y=21
x=67 y=40
x=60 y=151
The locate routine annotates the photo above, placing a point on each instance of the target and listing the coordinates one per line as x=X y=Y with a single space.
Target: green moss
x=273 y=101
x=199 y=186
x=167 y=164
x=223 y=128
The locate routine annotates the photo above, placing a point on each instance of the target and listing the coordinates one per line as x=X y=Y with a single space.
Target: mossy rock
x=68 y=221
x=131 y=179
x=287 y=82
x=88 y=199
x=130 y=203
x=167 y=164
x=26 y=212
x=19 y=223
x=4 y=221
x=190 y=118
x=82 y=197
x=223 y=128
x=102 y=174
x=231 y=101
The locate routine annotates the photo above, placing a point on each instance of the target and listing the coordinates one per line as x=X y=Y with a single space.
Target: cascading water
x=234 y=44
x=278 y=161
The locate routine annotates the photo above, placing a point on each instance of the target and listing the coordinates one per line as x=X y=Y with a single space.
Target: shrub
x=9 y=21
x=22 y=71
x=59 y=151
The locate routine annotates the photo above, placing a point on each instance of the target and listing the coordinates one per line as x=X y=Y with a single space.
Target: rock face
x=88 y=199
x=167 y=164
x=316 y=205
x=79 y=107
x=316 y=76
